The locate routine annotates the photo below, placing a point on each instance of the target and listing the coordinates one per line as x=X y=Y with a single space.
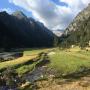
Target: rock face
x=17 y=30
x=78 y=21
x=78 y=32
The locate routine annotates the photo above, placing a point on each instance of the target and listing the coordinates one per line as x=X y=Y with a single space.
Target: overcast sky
x=55 y=14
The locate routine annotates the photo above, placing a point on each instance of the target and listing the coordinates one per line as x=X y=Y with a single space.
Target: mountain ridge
x=26 y=34
x=82 y=16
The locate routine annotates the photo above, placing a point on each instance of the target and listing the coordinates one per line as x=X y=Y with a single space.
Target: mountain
x=19 y=15
x=17 y=30
x=58 y=32
x=77 y=23
x=78 y=32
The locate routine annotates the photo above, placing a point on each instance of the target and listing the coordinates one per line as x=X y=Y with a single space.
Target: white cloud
x=76 y=5
x=52 y=15
x=8 y=10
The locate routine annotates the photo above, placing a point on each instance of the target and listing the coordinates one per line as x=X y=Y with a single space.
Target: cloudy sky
x=55 y=14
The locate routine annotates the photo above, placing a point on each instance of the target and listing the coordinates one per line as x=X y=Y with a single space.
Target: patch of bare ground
x=80 y=84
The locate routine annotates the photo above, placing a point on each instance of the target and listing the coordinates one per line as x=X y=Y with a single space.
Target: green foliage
x=24 y=69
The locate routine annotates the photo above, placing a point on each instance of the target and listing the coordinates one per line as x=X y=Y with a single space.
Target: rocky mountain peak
x=19 y=14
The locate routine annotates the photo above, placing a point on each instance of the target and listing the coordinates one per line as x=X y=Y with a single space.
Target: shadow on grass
x=77 y=75
x=42 y=63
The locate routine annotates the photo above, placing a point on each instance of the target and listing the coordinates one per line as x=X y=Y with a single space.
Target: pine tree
x=55 y=41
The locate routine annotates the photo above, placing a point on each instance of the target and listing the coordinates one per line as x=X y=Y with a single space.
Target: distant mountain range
x=18 y=31
x=58 y=32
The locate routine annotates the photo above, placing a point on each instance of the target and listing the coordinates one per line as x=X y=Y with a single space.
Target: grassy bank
x=25 y=63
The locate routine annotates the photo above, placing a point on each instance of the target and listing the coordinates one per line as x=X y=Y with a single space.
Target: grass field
x=15 y=62
x=21 y=62
x=35 y=51
x=67 y=62
x=63 y=61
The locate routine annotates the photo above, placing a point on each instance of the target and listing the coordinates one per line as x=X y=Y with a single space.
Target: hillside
x=78 y=32
x=78 y=22
x=17 y=30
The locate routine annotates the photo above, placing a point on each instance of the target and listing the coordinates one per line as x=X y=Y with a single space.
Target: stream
x=36 y=74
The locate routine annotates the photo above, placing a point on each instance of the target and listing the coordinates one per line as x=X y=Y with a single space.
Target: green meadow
x=68 y=62
x=63 y=61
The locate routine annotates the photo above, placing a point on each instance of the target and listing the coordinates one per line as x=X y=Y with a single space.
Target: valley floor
x=53 y=69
